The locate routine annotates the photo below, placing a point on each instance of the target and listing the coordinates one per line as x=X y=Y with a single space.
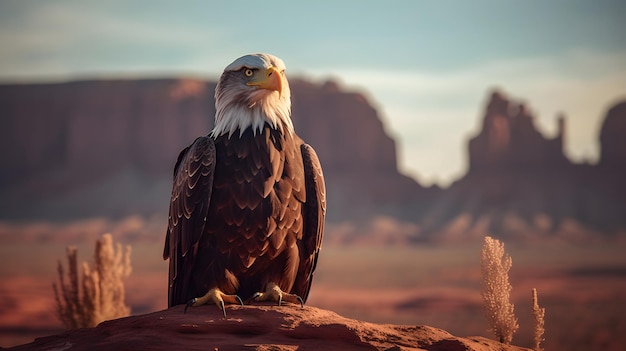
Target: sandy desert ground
x=582 y=287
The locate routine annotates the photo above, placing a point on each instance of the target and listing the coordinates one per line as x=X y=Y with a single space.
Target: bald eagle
x=246 y=215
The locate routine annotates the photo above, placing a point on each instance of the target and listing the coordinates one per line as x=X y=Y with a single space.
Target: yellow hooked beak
x=272 y=81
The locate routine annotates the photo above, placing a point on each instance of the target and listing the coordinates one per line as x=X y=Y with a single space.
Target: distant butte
x=520 y=183
x=98 y=148
x=510 y=140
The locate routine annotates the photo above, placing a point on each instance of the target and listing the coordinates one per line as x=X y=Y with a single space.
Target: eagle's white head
x=252 y=91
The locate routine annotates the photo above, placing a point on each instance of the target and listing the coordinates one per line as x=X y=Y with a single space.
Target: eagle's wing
x=189 y=205
x=314 y=212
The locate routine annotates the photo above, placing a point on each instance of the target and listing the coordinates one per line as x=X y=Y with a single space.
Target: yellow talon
x=274 y=293
x=216 y=296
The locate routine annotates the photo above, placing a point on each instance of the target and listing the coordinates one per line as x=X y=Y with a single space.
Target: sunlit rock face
x=257 y=328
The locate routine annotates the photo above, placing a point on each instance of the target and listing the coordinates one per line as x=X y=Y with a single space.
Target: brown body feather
x=245 y=211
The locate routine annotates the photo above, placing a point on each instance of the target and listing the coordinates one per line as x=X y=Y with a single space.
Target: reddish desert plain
x=582 y=286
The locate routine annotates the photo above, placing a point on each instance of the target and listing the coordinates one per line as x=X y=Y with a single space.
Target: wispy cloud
x=59 y=39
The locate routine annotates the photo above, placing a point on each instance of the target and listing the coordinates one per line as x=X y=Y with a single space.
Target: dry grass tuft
x=495 y=265
x=538 y=319
x=103 y=293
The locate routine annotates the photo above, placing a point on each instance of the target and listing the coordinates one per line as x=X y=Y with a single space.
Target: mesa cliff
x=107 y=148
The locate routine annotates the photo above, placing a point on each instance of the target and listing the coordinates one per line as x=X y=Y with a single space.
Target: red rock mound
x=256 y=328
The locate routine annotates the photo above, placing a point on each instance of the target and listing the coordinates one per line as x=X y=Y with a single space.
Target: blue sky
x=426 y=65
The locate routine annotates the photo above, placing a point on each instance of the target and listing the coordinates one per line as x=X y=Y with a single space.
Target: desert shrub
x=102 y=295
x=538 y=319
x=495 y=266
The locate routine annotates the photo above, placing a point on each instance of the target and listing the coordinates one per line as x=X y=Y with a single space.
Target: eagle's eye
x=248 y=72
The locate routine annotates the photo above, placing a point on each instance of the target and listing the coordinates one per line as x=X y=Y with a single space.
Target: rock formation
x=256 y=328
x=107 y=147
x=510 y=140
x=612 y=140
x=519 y=182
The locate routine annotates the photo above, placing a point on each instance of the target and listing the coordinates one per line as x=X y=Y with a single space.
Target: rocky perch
x=256 y=328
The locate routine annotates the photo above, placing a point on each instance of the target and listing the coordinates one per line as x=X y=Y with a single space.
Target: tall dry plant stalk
x=495 y=265
x=538 y=319
x=102 y=296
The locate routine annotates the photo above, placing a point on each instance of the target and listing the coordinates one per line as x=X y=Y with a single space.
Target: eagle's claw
x=274 y=293
x=217 y=297
x=300 y=300
x=190 y=303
